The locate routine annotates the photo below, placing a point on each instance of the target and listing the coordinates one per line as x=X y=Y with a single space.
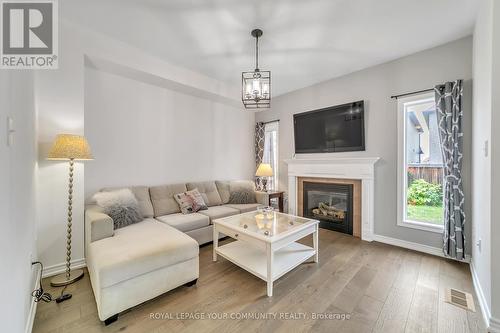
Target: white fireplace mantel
x=362 y=168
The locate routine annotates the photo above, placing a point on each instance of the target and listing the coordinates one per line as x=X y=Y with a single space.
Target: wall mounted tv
x=334 y=129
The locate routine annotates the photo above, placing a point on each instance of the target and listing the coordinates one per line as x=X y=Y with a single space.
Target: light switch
x=10 y=131
x=485 y=148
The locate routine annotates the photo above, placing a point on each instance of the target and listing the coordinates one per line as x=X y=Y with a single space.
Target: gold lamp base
x=61 y=279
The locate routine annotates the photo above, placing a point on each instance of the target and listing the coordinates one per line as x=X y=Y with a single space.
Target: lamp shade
x=264 y=170
x=68 y=146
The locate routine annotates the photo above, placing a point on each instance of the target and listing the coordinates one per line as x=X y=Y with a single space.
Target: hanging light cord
x=256 y=53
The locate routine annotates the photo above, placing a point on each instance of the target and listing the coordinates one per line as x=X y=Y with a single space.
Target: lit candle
x=248 y=90
x=265 y=89
x=256 y=85
x=259 y=220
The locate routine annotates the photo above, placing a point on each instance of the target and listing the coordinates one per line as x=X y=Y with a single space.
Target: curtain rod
x=271 y=121
x=412 y=93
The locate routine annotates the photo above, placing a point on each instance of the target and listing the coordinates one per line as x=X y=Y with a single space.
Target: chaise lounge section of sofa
x=131 y=265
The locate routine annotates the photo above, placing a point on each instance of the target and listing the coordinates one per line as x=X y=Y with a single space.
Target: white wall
x=60 y=104
x=495 y=175
x=59 y=100
x=375 y=85
x=17 y=200
x=485 y=176
x=143 y=134
x=481 y=164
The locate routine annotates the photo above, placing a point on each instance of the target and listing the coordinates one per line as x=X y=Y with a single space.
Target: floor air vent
x=461 y=299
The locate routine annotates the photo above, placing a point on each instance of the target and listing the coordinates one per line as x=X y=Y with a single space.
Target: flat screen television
x=334 y=129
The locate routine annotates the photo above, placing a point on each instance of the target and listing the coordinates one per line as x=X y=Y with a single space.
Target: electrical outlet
x=478 y=244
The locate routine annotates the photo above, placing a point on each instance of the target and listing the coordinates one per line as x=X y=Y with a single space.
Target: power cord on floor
x=40 y=295
x=63 y=297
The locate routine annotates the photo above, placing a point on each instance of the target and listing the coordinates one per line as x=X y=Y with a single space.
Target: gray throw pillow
x=242 y=192
x=121 y=206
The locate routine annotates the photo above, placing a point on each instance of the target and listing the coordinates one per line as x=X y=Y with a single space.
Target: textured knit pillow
x=190 y=201
x=242 y=192
x=120 y=205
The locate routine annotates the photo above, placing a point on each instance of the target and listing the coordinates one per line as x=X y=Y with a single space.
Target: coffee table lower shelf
x=255 y=261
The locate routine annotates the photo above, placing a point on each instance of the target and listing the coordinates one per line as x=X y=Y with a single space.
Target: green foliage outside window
x=422 y=193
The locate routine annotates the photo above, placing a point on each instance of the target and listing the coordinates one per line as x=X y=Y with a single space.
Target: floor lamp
x=70 y=148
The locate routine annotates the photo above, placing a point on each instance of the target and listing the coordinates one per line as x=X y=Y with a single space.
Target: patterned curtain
x=259 y=150
x=449 y=112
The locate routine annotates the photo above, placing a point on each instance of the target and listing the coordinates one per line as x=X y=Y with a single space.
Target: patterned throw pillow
x=242 y=192
x=190 y=201
x=120 y=205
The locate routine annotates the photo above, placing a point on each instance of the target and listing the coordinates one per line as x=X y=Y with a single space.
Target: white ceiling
x=304 y=41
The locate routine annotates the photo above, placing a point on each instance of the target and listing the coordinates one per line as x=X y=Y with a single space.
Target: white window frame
x=271 y=127
x=402 y=167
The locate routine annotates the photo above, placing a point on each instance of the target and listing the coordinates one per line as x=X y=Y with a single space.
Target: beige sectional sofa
x=136 y=263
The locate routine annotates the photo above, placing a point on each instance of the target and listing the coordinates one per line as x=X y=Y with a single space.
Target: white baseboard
x=485 y=309
x=436 y=251
x=60 y=268
x=492 y=323
x=409 y=245
x=31 y=315
x=494 y=326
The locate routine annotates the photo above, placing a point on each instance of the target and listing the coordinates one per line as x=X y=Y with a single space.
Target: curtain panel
x=260 y=135
x=450 y=113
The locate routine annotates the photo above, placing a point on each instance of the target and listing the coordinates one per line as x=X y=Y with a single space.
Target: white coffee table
x=266 y=244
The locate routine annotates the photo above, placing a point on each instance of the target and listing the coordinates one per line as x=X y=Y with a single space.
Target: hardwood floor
x=381 y=288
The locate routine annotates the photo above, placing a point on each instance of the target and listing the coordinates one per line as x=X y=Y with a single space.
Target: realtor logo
x=29 y=34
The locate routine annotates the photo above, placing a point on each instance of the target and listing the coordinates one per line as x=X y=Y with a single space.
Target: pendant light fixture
x=256 y=85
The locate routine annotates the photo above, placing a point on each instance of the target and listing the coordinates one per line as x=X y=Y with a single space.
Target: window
x=420 y=164
x=271 y=152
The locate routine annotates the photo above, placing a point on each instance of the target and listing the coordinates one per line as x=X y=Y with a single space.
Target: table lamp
x=264 y=170
x=70 y=148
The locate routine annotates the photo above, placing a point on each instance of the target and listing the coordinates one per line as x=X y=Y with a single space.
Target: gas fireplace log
x=326 y=210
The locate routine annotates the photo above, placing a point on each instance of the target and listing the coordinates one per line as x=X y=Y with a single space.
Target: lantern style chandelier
x=256 y=85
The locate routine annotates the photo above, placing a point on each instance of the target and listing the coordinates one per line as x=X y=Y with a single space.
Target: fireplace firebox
x=331 y=204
